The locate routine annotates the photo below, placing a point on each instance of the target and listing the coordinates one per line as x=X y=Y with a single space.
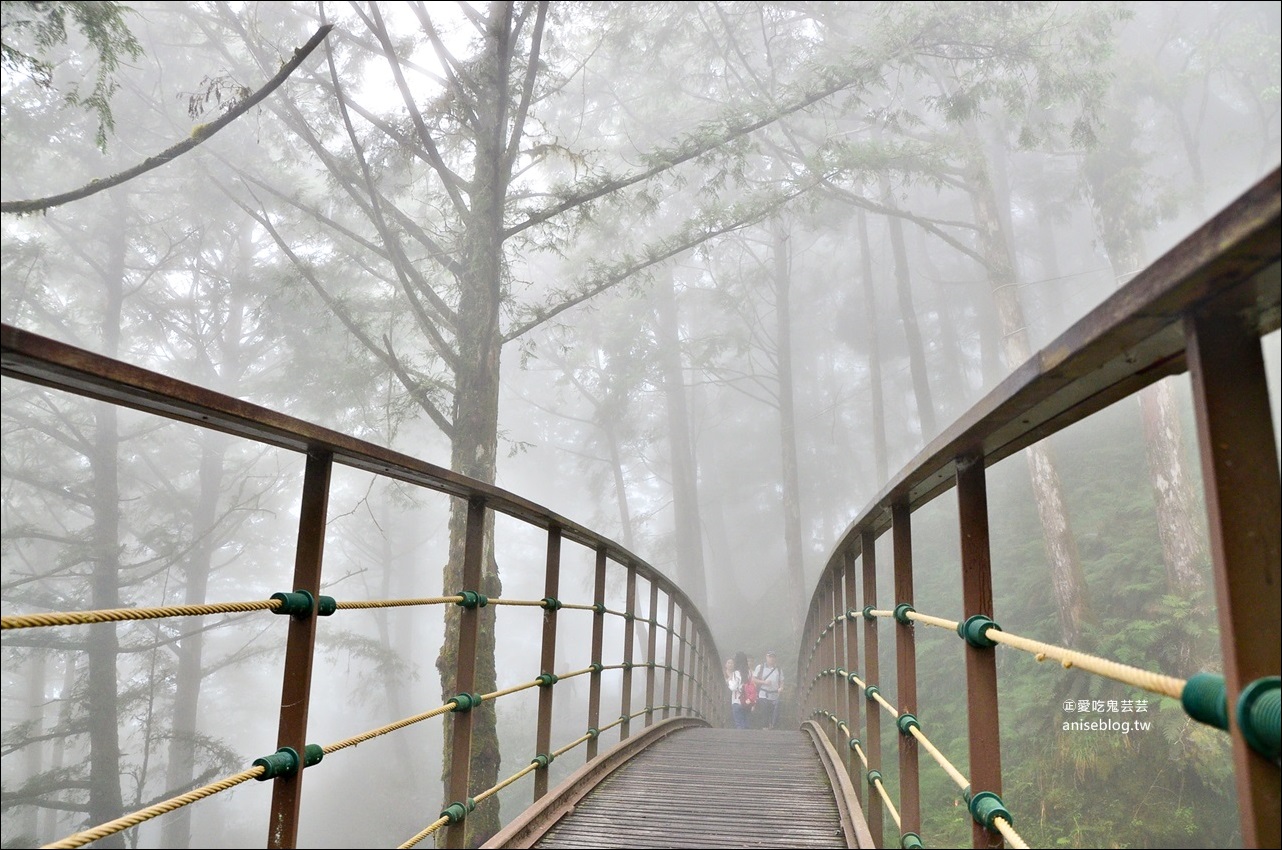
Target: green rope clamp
x=627 y=665
x=852 y=614
x=910 y=841
x=654 y=622
x=296 y=604
x=465 y=702
x=471 y=599
x=868 y=614
x=852 y=743
x=543 y=759
x=1259 y=712
x=1205 y=699
x=851 y=677
x=551 y=603
x=841 y=672
x=966 y=795
x=284 y=762
x=629 y=616
x=975 y=631
x=873 y=777
x=905 y=722
x=546 y=680
x=593 y=732
x=901 y=613
x=455 y=812
x=871 y=691
x=624 y=718
x=596 y=666
x=985 y=807
x=598 y=607
x=326 y=605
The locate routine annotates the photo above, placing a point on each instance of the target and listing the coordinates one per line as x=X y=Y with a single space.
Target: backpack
x=748 y=694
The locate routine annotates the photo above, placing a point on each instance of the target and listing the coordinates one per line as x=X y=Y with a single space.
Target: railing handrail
x=1200 y=308
x=1133 y=339
x=48 y=362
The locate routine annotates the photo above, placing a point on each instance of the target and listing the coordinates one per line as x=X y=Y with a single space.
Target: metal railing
x=1201 y=308
x=689 y=687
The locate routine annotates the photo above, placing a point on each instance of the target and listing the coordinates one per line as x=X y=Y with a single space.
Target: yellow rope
x=399 y=603
x=863 y=758
x=575 y=673
x=876 y=612
x=113 y=615
x=436 y=824
x=938 y=622
x=886 y=705
x=948 y=767
x=491 y=791
x=511 y=690
x=616 y=613
x=578 y=606
x=1008 y=832
x=533 y=603
x=1154 y=682
x=383 y=730
x=894 y=813
x=579 y=740
x=112 y=827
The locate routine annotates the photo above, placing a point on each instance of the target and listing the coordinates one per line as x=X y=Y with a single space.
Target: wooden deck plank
x=709 y=788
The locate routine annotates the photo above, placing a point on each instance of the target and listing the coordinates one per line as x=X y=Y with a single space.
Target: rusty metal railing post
x=1240 y=474
x=629 y=637
x=981 y=662
x=834 y=686
x=598 y=639
x=667 y=658
x=300 y=644
x=651 y=647
x=469 y=627
x=547 y=659
x=872 y=746
x=854 y=699
x=682 y=668
x=906 y=670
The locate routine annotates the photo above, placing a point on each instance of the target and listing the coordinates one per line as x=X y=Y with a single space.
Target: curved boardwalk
x=709 y=788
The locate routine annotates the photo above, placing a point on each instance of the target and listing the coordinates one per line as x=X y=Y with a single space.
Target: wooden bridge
x=671 y=779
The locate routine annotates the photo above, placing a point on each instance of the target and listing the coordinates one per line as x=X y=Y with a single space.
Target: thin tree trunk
x=105 y=799
x=908 y=315
x=873 y=343
x=1067 y=583
x=788 y=426
x=685 y=473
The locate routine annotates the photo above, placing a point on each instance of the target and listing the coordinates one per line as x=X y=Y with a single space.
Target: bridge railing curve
x=679 y=677
x=1201 y=308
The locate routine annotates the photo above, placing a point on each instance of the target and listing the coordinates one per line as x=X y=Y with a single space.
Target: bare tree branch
x=198 y=135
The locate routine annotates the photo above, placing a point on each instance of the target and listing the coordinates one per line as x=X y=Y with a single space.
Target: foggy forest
x=700 y=276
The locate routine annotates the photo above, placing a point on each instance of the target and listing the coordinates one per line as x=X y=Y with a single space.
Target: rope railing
x=284 y=762
x=458 y=811
x=984 y=632
x=120 y=824
x=988 y=810
x=400 y=603
x=116 y=615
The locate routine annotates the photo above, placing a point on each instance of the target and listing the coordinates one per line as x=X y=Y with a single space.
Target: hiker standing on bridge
x=736 y=676
x=769 y=679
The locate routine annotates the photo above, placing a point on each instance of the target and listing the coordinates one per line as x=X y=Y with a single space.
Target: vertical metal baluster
x=465 y=670
x=872 y=746
x=835 y=646
x=906 y=671
x=598 y=638
x=682 y=668
x=1240 y=474
x=629 y=635
x=547 y=660
x=667 y=658
x=854 y=699
x=651 y=647
x=300 y=644
x=981 y=663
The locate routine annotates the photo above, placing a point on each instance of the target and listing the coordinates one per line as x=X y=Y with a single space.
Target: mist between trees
x=701 y=276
